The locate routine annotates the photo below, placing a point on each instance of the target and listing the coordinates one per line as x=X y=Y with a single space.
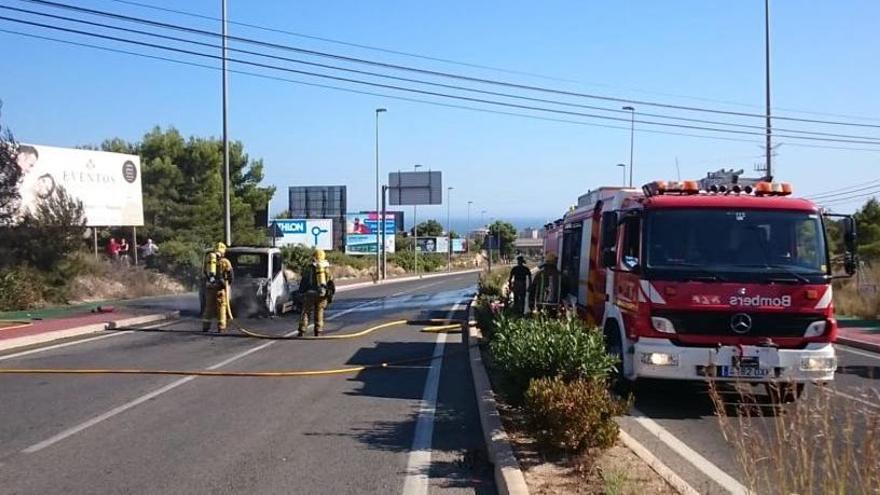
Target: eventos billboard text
x=311 y=233
x=108 y=184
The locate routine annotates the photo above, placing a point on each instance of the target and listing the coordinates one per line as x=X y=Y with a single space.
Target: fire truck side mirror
x=609 y=257
x=610 y=222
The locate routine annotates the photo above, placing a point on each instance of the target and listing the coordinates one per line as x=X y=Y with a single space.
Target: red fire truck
x=693 y=279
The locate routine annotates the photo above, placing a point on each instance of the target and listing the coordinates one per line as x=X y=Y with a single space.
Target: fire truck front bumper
x=659 y=358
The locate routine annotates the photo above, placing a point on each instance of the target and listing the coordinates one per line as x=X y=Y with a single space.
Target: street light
x=379 y=221
x=449 y=228
x=416 y=167
x=623 y=166
x=632 y=133
x=227 y=190
x=467 y=235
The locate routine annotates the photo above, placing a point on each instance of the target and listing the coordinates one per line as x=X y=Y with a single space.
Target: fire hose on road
x=434 y=326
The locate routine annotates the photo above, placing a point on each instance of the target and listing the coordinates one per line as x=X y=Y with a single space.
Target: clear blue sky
x=693 y=52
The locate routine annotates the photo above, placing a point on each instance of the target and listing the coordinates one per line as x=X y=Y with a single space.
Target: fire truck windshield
x=740 y=244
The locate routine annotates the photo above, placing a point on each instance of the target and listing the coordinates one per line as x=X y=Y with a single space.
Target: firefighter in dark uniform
x=317 y=290
x=519 y=281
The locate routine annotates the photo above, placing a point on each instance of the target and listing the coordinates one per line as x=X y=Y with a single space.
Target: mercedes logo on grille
x=741 y=323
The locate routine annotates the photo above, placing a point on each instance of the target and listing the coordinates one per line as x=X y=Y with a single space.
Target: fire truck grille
x=719 y=323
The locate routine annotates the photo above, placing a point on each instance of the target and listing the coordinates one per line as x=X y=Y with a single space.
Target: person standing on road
x=544 y=289
x=218 y=277
x=519 y=280
x=317 y=289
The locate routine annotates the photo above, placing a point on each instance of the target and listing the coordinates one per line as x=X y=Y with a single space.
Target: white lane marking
x=851 y=350
x=155 y=393
x=419 y=462
x=698 y=461
x=65 y=344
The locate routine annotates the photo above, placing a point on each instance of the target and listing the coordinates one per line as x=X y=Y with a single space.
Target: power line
x=862 y=139
x=402 y=98
x=458 y=62
x=433 y=72
x=850 y=199
x=846 y=190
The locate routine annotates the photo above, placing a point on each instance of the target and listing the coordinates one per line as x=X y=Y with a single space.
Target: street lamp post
x=449 y=228
x=623 y=170
x=416 y=167
x=227 y=212
x=467 y=235
x=632 y=134
x=769 y=148
x=380 y=219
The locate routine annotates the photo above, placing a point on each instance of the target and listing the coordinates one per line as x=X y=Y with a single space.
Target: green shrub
x=528 y=348
x=181 y=260
x=573 y=415
x=20 y=288
x=493 y=283
x=296 y=257
x=339 y=258
x=428 y=262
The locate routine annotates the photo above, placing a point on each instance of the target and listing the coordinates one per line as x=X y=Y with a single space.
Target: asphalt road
x=678 y=423
x=351 y=433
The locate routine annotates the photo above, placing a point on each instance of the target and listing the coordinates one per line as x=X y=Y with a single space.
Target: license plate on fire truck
x=743 y=367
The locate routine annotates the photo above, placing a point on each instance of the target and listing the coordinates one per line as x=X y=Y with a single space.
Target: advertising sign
x=108 y=184
x=317 y=233
x=415 y=188
x=432 y=245
x=362 y=231
x=458 y=246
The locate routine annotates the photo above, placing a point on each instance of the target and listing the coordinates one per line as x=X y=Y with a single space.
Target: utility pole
x=769 y=151
x=227 y=214
x=380 y=221
x=384 y=253
x=416 y=231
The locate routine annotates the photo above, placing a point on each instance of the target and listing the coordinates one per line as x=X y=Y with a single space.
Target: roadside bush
x=182 y=260
x=339 y=258
x=528 y=348
x=428 y=262
x=296 y=257
x=493 y=283
x=20 y=288
x=573 y=415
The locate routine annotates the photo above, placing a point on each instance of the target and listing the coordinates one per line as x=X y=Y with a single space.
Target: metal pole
x=415 y=240
x=467 y=235
x=384 y=227
x=767 y=85
x=632 y=136
x=448 y=229
x=623 y=170
x=134 y=244
x=227 y=214
x=95 y=234
x=380 y=222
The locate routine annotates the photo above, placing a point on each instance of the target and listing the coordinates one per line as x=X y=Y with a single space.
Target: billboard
x=108 y=184
x=311 y=233
x=361 y=233
x=432 y=245
x=458 y=246
x=415 y=188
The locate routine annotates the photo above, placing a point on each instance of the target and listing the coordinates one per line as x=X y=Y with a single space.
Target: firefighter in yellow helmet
x=218 y=276
x=317 y=289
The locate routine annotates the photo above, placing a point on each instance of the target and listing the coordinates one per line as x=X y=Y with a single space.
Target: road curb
x=509 y=478
x=858 y=344
x=675 y=481
x=359 y=285
x=85 y=330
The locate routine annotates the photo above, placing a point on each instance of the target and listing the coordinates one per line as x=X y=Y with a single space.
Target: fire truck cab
x=688 y=282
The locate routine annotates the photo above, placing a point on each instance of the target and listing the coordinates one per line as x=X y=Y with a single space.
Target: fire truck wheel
x=614 y=347
x=784 y=393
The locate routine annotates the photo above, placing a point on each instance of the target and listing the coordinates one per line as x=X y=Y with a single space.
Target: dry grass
x=104 y=280
x=859 y=296
x=812 y=446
